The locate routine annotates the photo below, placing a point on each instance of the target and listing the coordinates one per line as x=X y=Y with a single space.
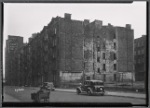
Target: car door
x=84 y=86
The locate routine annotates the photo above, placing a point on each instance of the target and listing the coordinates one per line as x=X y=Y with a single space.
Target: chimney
x=86 y=21
x=128 y=26
x=98 y=23
x=67 y=16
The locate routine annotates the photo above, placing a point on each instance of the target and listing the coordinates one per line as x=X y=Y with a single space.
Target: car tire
x=78 y=91
x=89 y=92
x=102 y=94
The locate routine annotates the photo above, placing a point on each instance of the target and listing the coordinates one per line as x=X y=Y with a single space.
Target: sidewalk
x=121 y=94
x=8 y=98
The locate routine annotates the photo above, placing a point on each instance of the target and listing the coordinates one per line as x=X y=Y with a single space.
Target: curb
x=73 y=91
x=126 y=96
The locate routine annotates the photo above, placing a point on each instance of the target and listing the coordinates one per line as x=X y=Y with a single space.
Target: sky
x=24 y=19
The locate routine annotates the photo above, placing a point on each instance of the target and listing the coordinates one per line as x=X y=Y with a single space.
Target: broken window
x=115 y=56
x=104 y=67
x=115 y=66
x=114 y=45
x=104 y=46
x=98 y=59
x=103 y=55
x=98 y=70
x=114 y=36
x=98 y=48
x=93 y=66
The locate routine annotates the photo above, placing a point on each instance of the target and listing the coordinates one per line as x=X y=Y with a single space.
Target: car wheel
x=89 y=92
x=78 y=91
x=102 y=94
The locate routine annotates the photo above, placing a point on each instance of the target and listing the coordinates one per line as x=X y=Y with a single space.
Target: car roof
x=94 y=80
x=48 y=82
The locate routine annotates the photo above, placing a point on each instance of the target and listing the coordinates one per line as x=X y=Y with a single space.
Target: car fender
x=90 y=90
x=79 y=88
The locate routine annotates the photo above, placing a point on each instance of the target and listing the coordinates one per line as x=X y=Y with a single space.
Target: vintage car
x=91 y=87
x=49 y=85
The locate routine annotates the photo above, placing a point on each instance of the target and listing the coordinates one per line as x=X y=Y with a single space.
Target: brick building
x=140 y=58
x=12 y=43
x=109 y=52
x=68 y=50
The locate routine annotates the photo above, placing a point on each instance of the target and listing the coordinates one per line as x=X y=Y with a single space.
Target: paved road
x=23 y=95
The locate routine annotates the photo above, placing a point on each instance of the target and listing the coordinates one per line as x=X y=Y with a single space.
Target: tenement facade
x=68 y=50
x=12 y=44
x=140 y=58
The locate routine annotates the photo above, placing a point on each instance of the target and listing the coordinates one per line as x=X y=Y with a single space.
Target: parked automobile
x=91 y=87
x=49 y=85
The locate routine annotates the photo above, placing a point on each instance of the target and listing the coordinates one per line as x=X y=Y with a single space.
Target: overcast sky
x=28 y=18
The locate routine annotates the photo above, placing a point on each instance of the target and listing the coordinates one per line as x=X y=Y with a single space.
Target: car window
x=98 y=83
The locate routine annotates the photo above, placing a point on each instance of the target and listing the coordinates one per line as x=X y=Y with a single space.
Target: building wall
x=68 y=50
x=125 y=49
x=12 y=43
x=140 y=58
x=70 y=47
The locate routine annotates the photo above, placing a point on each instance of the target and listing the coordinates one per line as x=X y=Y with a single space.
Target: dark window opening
x=114 y=36
x=98 y=59
x=103 y=45
x=114 y=45
x=104 y=68
x=93 y=66
x=98 y=70
x=98 y=48
x=103 y=55
x=115 y=66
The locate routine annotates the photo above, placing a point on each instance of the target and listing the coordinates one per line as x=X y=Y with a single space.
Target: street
x=22 y=94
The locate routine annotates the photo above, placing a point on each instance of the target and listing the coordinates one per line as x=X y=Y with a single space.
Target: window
x=98 y=59
x=138 y=44
x=139 y=52
x=55 y=30
x=103 y=55
x=98 y=48
x=46 y=47
x=98 y=70
x=54 y=42
x=115 y=66
x=134 y=44
x=103 y=45
x=134 y=52
x=114 y=45
x=104 y=68
x=114 y=36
